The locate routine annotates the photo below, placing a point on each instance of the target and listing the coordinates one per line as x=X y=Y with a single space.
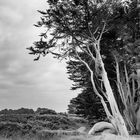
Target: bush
x=43 y=111
x=18 y=111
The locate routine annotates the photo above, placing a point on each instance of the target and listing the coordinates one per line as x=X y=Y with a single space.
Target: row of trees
x=39 y=111
x=101 y=41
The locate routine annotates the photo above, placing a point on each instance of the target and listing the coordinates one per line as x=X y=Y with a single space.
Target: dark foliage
x=18 y=111
x=43 y=111
x=34 y=125
x=123 y=27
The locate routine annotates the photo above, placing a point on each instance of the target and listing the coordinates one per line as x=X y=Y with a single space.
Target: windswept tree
x=75 y=29
x=120 y=48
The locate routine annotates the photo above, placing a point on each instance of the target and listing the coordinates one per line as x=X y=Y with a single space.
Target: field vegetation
x=38 y=125
x=46 y=124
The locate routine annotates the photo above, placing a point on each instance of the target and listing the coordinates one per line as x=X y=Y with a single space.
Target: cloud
x=25 y=83
x=9 y=15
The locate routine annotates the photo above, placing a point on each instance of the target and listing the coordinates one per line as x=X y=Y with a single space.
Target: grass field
x=40 y=127
x=48 y=127
x=79 y=137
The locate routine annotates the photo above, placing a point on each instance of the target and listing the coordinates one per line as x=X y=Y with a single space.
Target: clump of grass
x=100 y=137
x=78 y=137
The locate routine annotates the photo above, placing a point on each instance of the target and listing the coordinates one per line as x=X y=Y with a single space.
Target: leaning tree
x=122 y=42
x=75 y=29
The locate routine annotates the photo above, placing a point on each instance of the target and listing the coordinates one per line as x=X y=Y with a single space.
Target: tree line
x=39 y=111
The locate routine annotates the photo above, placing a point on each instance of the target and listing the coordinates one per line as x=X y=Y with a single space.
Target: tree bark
x=117 y=119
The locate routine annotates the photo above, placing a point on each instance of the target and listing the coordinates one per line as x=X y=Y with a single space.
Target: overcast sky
x=23 y=82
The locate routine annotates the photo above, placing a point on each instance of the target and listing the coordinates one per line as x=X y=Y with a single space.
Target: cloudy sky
x=23 y=82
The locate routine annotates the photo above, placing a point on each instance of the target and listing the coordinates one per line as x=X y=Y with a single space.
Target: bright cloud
x=25 y=83
x=9 y=15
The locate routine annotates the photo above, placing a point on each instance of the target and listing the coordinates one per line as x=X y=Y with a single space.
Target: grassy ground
x=40 y=127
x=48 y=127
x=78 y=137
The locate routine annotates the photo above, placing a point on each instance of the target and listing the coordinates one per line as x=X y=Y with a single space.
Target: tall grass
x=79 y=137
x=31 y=138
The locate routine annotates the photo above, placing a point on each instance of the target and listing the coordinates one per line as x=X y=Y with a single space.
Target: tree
x=17 y=111
x=76 y=29
x=121 y=41
x=87 y=103
x=43 y=111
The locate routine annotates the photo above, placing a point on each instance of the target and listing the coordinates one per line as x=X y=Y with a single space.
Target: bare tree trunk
x=127 y=97
x=118 y=120
x=114 y=116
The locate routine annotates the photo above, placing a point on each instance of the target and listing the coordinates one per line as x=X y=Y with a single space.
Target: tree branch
x=99 y=39
x=94 y=87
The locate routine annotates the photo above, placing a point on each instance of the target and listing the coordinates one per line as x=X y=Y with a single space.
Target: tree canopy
x=99 y=35
x=117 y=41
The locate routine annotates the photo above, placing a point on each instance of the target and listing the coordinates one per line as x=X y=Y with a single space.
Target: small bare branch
x=99 y=39
x=119 y=84
x=96 y=30
x=90 y=53
x=92 y=34
x=127 y=84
